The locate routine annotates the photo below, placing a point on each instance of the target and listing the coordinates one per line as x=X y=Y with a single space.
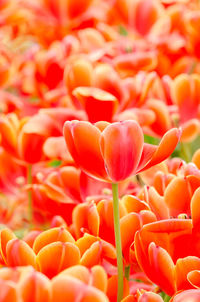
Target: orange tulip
x=35 y=287
x=93 y=151
x=8 y=292
x=66 y=288
x=56 y=256
x=19 y=253
x=168 y=250
x=51 y=235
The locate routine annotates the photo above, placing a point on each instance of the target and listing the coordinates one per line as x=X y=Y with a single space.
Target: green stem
x=30 y=206
x=118 y=241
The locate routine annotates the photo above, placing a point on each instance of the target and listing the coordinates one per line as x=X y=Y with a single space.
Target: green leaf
x=20 y=233
x=123 y=31
x=195 y=145
x=55 y=163
x=186 y=150
x=127 y=272
x=165 y=297
x=151 y=139
x=177 y=151
x=135 y=280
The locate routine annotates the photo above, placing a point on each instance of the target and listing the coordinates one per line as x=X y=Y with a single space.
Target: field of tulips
x=99 y=150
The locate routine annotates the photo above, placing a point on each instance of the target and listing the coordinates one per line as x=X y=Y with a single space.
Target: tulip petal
x=194 y=278
x=162 y=268
x=164 y=149
x=183 y=267
x=83 y=139
x=121 y=146
x=56 y=256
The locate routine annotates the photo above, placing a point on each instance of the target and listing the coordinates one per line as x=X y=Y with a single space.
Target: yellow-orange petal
x=85 y=242
x=78 y=74
x=5 y=236
x=190 y=130
x=97 y=252
x=86 y=216
x=129 y=224
x=52 y=235
x=35 y=287
x=157 y=204
x=56 y=256
x=196 y=158
x=134 y=204
x=195 y=208
x=194 y=278
x=19 y=253
x=175 y=190
x=182 y=268
x=66 y=288
x=99 y=278
x=8 y=292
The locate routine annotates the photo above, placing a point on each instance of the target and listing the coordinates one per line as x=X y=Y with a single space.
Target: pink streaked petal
x=121 y=145
x=147 y=153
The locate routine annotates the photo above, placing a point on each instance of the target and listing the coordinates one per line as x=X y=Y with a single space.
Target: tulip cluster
x=99 y=151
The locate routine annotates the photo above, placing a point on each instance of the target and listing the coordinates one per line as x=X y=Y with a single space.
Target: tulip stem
x=118 y=241
x=30 y=206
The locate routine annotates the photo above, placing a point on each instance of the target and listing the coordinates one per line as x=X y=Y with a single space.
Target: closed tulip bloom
x=114 y=152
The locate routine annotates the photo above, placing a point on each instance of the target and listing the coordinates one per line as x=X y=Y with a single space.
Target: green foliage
x=165 y=297
x=151 y=139
x=20 y=233
x=127 y=272
x=123 y=31
x=186 y=150
x=55 y=163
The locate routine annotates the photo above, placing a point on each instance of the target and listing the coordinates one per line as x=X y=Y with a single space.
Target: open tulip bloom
x=113 y=153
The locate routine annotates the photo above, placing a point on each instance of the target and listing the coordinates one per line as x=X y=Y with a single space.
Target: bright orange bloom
x=118 y=151
x=66 y=288
x=168 y=250
x=51 y=235
x=56 y=256
x=19 y=253
x=35 y=287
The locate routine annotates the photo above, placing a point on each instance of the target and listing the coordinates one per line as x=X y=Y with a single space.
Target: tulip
x=112 y=153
